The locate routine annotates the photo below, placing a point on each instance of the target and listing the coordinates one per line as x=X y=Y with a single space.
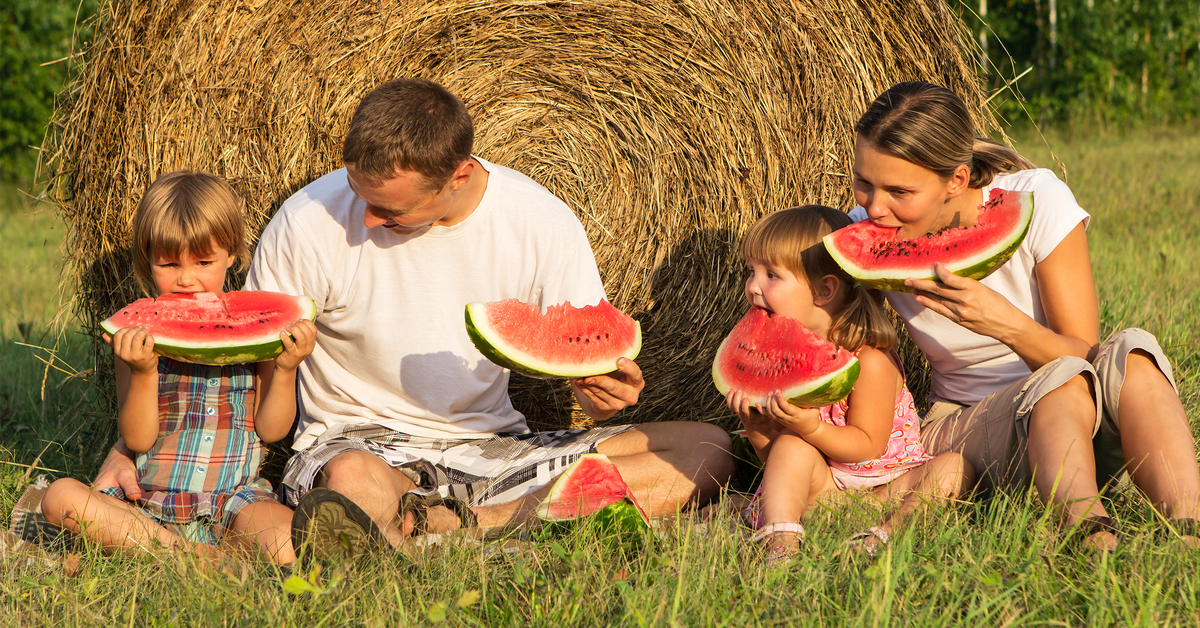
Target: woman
x=1022 y=387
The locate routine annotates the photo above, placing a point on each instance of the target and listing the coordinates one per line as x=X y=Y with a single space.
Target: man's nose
x=371 y=219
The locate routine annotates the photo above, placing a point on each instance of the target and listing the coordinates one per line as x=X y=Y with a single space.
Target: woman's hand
x=135 y=347
x=803 y=421
x=968 y=303
x=1068 y=300
x=602 y=396
x=299 y=340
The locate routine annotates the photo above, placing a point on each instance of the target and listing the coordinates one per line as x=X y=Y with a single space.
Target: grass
x=996 y=562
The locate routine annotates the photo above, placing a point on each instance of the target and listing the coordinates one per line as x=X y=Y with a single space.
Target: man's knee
x=354 y=469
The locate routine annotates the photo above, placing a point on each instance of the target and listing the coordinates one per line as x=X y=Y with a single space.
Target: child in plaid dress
x=198 y=430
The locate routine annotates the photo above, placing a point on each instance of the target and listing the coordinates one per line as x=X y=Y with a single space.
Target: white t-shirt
x=392 y=345
x=967 y=366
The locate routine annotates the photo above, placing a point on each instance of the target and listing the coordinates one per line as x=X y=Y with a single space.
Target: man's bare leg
x=667 y=465
x=373 y=485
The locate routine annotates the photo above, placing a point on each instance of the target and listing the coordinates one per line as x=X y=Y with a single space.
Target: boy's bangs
x=186 y=229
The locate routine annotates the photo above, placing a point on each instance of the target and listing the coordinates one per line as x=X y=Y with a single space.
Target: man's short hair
x=409 y=124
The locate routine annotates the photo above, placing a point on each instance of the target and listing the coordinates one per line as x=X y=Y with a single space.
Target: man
x=404 y=424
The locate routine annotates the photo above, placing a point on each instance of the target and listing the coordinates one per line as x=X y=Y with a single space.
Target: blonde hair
x=791 y=238
x=930 y=126
x=187 y=211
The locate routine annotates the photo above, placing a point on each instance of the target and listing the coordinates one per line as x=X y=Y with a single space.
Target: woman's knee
x=1074 y=400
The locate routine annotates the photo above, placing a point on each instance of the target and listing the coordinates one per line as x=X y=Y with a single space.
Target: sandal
x=419 y=506
x=778 y=552
x=861 y=542
x=327 y=523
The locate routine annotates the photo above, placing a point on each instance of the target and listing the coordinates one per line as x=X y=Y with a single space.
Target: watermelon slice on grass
x=592 y=490
x=767 y=352
x=216 y=329
x=875 y=256
x=564 y=342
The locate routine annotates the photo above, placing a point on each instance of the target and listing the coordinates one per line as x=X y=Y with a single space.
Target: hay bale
x=668 y=126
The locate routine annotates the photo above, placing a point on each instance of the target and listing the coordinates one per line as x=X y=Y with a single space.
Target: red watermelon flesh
x=875 y=256
x=564 y=342
x=210 y=328
x=767 y=352
x=588 y=486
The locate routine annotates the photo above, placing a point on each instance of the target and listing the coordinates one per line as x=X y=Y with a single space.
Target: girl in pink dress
x=869 y=440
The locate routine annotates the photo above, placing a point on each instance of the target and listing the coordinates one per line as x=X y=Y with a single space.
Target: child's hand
x=751 y=415
x=802 y=421
x=134 y=346
x=295 y=351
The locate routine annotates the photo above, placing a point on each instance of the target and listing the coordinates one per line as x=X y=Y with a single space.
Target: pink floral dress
x=904 y=452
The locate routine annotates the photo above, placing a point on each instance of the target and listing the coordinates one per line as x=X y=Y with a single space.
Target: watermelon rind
x=217 y=353
x=814 y=393
x=494 y=348
x=975 y=267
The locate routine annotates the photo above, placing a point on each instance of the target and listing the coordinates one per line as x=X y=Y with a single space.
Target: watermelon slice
x=876 y=257
x=209 y=328
x=591 y=486
x=566 y=342
x=768 y=352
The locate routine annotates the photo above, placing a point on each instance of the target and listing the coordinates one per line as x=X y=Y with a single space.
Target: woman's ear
x=826 y=290
x=959 y=180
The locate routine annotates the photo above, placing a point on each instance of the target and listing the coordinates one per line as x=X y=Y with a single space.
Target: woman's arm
x=275 y=403
x=136 y=369
x=1068 y=297
x=871 y=405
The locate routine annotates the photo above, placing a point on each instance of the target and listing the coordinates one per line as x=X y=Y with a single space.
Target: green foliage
x=33 y=33
x=1107 y=61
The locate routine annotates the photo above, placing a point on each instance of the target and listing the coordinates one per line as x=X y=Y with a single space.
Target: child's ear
x=826 y=290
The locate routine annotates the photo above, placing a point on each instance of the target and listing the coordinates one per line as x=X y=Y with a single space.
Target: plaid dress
x=204 y=466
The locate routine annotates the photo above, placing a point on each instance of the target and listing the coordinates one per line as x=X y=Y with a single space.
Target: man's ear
x=462 y=174
x=826 y=290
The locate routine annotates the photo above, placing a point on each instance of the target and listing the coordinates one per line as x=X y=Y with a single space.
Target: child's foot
x=869 y=541
x=780 y=541
x=1098 y=534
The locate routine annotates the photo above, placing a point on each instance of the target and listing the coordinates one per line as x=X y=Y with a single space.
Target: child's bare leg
x=947 y=476
x=265 y=527
x=114 y=524
x=796 y=475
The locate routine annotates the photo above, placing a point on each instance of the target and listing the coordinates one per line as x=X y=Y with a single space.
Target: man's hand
x=602 y=396
x=118 y=470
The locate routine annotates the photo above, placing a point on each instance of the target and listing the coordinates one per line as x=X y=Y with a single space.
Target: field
x=996 y=562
